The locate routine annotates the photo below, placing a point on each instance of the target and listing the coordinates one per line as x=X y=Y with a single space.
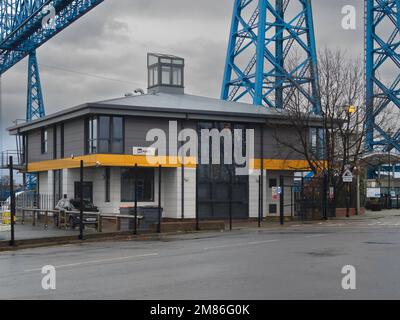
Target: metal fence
x=309 y=199
x=5 y=158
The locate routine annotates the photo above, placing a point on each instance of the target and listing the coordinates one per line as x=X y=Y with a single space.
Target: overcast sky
x=112 y=42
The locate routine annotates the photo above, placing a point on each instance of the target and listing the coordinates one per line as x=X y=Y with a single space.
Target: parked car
x=73 y=208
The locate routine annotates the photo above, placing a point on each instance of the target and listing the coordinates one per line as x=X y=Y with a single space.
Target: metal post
x=325 y=197
x=348 y=201
x=261 y=218
x=81 y=203
x=281 y=200
x=159 y=200
x=259 y=201
x=197 y=197
x=358 y=192
x=12 y=208
x=230 y=201
x=183 y=191
x=136 y=196
x=389 y=198
x=302 y=198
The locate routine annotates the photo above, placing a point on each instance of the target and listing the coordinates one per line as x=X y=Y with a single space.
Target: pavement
x=297 y=261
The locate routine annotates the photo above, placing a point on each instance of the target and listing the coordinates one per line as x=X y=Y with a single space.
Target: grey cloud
x=113 y=40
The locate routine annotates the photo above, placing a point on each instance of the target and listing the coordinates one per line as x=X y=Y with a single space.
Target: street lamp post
x=81 y=202
x=349 y=111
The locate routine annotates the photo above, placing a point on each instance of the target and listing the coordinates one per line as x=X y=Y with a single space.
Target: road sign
x=347 y=176
x=373 y=192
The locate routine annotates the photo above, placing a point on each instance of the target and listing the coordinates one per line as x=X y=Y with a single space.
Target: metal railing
x=4 y=206
x=32 y=200
x=5 y=159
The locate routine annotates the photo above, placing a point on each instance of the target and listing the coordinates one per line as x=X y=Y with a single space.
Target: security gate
x=309 y=199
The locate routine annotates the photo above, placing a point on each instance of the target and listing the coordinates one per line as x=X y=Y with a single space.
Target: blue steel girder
x=35 y=104
x=22 y=30
x=262 y=38
x=398 y=13
x=382 y=58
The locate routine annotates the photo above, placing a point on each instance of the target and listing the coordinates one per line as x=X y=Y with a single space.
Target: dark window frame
x=55 y=142
x=89 y=135
x=211 y=178
x=62 y=141
x=44 y=141
x=169 y=62
x=152 y=197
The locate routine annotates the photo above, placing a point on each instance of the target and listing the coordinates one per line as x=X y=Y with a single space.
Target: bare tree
x=336 y=137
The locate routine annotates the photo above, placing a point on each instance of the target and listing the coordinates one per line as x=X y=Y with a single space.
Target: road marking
x=241 y=244
x=316 y=235
x=96 y=261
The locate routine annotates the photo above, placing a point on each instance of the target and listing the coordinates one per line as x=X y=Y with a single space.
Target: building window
x=165 y=70
x=108 y=183
x=145 y=185
x=153 y=77
x=273 y=209
x=166 y=75
x=44 y=141
x=273 y=183
x=91 y=134
x=62 y=145
x=105 y=135
x=177 y=76
x=55 y=142
x=317 y=143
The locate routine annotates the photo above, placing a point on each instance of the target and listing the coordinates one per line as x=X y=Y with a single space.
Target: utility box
x=147 y=217
x=150 y=216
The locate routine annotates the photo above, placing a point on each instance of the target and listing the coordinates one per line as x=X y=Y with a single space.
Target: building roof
x=179 y=106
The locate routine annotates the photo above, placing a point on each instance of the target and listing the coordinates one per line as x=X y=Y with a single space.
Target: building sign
x=275 y=194
x=144 y=151
x=373 y=192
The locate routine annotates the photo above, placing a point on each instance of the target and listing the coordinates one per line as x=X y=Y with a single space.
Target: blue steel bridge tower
x=271 y=53
x=382 y=65
x=26 y=25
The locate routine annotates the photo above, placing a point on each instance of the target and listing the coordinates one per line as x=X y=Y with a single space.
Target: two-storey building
x=112 y=138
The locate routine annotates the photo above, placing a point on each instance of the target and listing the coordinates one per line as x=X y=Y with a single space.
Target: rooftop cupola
x=165 y=73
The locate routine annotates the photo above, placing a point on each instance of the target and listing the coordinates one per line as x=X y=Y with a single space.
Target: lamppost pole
x=81 y=202
x=12 y=202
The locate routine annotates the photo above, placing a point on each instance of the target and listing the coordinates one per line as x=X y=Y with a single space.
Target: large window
x=105 y=134
x=219 y=187
x=145 y=185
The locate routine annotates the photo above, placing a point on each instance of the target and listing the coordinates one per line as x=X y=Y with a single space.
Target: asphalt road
x=297 y=262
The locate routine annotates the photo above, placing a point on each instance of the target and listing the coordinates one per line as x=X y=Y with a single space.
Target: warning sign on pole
x=347 y=176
